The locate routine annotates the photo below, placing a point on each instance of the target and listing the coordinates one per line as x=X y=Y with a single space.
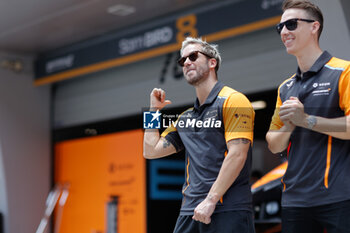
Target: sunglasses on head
x=192 y=56
x=291 y=24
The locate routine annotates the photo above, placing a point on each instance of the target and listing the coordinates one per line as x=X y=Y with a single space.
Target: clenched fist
x=157 y=99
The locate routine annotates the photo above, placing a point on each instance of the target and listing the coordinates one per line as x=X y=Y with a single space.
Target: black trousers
x=225 y=222
x=331 y=218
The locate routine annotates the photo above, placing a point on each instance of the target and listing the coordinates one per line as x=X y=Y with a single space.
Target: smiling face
x=195 y=71
x=297 y=40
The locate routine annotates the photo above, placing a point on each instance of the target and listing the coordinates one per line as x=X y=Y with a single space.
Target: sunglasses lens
x=279 y=27
x=193 y=57
x=181 y=61
x=291 y=25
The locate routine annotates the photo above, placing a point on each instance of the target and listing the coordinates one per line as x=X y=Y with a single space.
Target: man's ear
x=212 y=63
x=315 y=27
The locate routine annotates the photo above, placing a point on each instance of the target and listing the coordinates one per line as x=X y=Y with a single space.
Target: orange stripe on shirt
x=188 y=175
x=328 y=165
x=284 y=185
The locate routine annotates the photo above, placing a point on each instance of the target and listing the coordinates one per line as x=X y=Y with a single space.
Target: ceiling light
x=14 y=65
x=257 y=105
x=121 y=10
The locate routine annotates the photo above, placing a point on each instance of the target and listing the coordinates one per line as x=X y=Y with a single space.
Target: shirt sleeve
x=172 y=135
x=344 y=91
x=238 y=117
x=276 y=122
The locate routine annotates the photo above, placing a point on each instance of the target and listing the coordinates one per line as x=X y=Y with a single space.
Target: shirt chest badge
x=321 y=89
x=211 y=114
x=290 y=84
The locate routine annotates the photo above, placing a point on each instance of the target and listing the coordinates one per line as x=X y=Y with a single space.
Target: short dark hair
x=313 y=11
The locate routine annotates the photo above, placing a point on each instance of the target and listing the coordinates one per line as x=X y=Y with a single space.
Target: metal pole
x=112 y=215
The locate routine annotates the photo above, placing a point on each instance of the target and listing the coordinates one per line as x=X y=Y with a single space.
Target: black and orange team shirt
x=318 y=170
x=203 y=132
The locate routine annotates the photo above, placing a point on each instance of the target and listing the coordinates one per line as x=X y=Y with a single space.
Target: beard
x=199 y=76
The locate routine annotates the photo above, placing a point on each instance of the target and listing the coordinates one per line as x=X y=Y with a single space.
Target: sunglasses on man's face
x=192 y=56
x=291 y=24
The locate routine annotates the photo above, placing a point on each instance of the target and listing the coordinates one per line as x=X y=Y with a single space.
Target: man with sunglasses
x=312 y=120
x=216 y=192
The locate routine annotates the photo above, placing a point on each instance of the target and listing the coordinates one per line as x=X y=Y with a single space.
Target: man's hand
x=157 y=99
x=292 y=113
x=155 y=146
x=204 y=210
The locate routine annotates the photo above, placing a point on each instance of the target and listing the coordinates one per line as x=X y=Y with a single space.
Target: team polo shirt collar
x=211 y=97
x=316 y=67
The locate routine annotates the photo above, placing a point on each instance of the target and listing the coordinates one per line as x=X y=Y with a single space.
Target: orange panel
x=274 y=174
x=98 y=168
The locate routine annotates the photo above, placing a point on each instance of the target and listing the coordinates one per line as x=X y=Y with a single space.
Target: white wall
x=24 y=148
x=335 y=36
x=346 y=8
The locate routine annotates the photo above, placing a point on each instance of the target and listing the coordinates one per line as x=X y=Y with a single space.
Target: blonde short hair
x=210 y=49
